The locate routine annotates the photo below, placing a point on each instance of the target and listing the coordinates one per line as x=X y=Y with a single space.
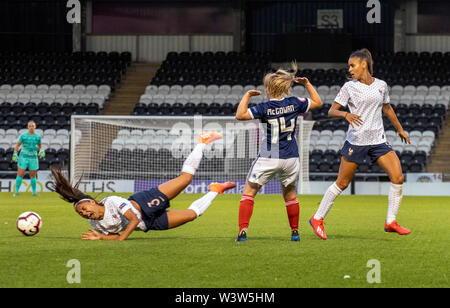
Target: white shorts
x=264 y=169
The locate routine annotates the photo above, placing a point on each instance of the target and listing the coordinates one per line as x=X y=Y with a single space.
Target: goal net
x=150 y=150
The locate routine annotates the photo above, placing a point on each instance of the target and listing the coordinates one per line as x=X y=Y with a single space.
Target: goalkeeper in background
x=28 y=158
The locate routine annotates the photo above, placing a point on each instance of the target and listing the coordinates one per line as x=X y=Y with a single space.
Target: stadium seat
x=407 y=155
x=325 y=165
x=44 y=164
x=415 y=166
x=331 y=154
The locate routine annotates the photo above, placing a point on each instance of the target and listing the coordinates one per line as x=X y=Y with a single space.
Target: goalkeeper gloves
x=15 y=157
x=41 y=153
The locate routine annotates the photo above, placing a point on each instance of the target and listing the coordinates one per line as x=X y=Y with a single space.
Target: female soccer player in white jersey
x=280 y=155
x=145 y=210
x=367 y=98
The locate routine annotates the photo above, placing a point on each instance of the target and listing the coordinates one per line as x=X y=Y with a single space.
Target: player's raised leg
x=175 y=186
x=347 y=170
x=391 y=165
x=198 y=207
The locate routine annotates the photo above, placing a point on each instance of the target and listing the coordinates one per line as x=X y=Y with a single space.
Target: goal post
x=150 y=150
x=303 y=142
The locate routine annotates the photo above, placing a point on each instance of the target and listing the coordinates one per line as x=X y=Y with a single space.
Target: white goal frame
x=303 y=139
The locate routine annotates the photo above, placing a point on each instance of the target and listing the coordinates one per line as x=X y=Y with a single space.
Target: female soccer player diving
x=28 y=158
x=367 y=98
x=280 y=156
x=145 y=210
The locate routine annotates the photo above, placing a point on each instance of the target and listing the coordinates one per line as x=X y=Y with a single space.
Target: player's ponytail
x=63 y=187
x=365 y=55
x=278 y=84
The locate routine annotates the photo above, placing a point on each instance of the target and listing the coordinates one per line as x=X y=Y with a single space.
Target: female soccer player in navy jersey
x=367 y=98
x=145 y=210
x=280 y=155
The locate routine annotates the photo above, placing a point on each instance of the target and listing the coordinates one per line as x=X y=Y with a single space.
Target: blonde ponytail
x=278 y=84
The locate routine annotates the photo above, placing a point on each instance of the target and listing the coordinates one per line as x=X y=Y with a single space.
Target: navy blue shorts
x=357 y=153
x=154 y=206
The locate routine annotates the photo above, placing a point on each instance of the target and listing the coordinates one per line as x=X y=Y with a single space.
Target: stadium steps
x=137 y=78
x=440 y=159
x=132 y=87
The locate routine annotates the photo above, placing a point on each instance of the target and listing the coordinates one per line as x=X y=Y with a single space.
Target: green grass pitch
x=204 y=253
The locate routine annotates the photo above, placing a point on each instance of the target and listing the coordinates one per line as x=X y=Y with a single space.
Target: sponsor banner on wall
x=201 y=186
x=424 y=177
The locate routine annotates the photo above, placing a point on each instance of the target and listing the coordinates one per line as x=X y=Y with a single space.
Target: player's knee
x=399 y=179
x=186 y=178
x=192 y=215
x=289 y=192
x=342 y=184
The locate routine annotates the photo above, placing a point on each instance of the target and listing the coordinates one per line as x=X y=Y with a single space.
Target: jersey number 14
x=279 y=126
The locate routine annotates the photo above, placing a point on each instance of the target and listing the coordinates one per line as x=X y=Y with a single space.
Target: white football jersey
x=365 y=101
x=114 y=220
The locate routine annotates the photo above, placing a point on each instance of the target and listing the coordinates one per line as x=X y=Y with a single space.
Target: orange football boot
x=317 y=225
x=207 y=138
x=221 y=187
x=395 y=227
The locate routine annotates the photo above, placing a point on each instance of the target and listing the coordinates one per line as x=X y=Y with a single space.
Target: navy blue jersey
x=280 y=119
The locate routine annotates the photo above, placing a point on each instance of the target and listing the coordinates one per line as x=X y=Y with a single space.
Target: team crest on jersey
x=122 y=205
x=350 y=151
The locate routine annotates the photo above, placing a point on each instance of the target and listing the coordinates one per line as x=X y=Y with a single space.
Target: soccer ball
x=29 y=223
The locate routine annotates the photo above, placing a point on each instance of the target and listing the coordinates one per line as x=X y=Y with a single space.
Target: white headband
x=76 y=203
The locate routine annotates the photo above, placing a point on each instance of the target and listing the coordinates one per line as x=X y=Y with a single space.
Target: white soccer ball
x=29 y=223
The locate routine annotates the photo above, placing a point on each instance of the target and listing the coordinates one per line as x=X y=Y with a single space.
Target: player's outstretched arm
x=242 y=113
x=95 y=235
x=133 y=221
x=392 y=117
x=316 y=101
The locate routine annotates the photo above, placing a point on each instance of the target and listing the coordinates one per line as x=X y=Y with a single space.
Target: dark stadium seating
x=212 y=68
x=49 y=87
x=63 y=68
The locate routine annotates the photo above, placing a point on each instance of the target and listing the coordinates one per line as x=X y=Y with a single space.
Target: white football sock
x=192 y=162
x=199 y=206
x=394 y=199
x=327 y=201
